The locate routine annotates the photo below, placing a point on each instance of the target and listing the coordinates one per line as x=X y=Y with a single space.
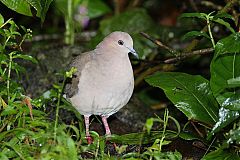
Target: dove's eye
x=120 y=42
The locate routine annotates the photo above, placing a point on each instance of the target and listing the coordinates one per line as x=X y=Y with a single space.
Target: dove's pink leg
x=108 y=132
x=88 y=137
x=105 y=123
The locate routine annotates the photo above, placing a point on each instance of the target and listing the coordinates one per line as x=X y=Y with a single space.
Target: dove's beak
x=133 y=52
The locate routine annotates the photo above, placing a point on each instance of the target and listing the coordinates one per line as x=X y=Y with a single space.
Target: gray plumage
x=104 y=81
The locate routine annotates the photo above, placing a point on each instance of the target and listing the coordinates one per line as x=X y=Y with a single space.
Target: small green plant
x=10 y=50
x=209 y=18
x=214 y=103
x=155 y=151
x=26 y=132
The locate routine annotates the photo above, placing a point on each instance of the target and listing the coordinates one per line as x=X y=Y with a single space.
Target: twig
x=152 y=62
x=189 y=54
x=159 y=43
x=197 y=130
x=210 y=145
x=180 y=55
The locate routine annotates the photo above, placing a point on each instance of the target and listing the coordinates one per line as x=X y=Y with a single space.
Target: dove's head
x=118 y=41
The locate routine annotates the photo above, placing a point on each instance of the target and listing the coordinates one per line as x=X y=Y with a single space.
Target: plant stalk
x=69 y=33
x=210 y=32
x=6 y=41
x=57 y=109
x=165 y=122
x=9 y=76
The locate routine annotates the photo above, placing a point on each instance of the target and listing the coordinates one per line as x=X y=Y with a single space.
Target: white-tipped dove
x=104 y=81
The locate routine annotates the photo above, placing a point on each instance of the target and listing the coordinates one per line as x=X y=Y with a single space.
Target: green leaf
x=17 y=67
x=234 y=136
x=234 y=82
x=149 y=124
x=225 y=72
x=223 y=15
x=223 y=69
x=26 y=57
x=3 y=156
x=221 y=154
x=3 y=58
x=9 y=111
x=97 y=8
x=226 y=117
x=232 y=102
x=20 y=6
x=230 y=44
x=41 y=7
x=194 y=15
x=193 y=34
x=61 y=5
x=188 y=136
x=71 y=147
x=190 y=94
x=1 y=20
x=70 y=73
x=226 y=24
x=142 y=137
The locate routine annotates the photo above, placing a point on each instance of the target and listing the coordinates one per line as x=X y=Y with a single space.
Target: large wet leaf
x=20 y=6
x=41 y=7
x=225 y=72
x=224 y=81
x=190 y=94
x=226 y=116
x=228 y=45
x=24 y=6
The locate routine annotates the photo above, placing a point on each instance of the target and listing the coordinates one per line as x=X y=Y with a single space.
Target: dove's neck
x=110 y=51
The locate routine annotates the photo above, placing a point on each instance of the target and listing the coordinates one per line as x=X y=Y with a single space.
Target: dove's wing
x=79 y=63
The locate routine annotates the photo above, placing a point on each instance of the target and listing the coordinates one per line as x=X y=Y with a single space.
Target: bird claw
x=89 y=139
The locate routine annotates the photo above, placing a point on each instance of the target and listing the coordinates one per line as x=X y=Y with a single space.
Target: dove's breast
x=104 y=88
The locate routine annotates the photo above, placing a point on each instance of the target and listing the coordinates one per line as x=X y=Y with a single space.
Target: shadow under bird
x=104 y=80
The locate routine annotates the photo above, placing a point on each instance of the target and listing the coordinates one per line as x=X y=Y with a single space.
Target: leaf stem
x=5 y=23
x=6 y=42
x=210 y=32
